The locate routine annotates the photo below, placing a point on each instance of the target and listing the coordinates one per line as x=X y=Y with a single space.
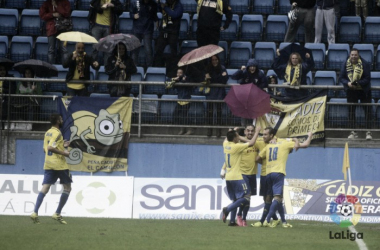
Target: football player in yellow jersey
x=276 y=155
x=55 y=167
x=237 y=189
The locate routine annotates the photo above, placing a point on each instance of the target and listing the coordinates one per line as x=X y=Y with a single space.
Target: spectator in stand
x=6 y=88
x=120 y=67
x=325 y=13
x=272 y=79
x=49 y=11
x=210 y=13
x=306 y=15
x=355 y=76
x=361 y=8
x=79 y=64
x=172 y=12
x=215 y=73
x=103 y=17
x=144 y=15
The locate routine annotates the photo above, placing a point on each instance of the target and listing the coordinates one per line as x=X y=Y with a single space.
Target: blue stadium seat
x=8 y=22
x=185 y=26
x=372 y=29
x=30 y=23
x=18 y=4
x=99 y=95
x=284 y=44
x=196 y=112
x=189 y=6
x=138 y=77
x=375 y=82
x=360 y=114
x=337 y=55
x=251 y=28
x=3 y=46
x=319 y=52
x=21 y=48
x=350 y=29
x=41 y=48
x=149 y=109
x=83 y=4
x=154 y=74
x=167 y=108
x=263 y=7
x=125 y=23
x=194 y=25
x=49 y=105
x=102 y=76
x=377 y=116
x=378 y=58
x=58 y=86
x=80 y=22
x=141 y=59
x=230 y=34
x=230 y=73
x=326 y=78
x=223 y=55
x=240 y=6
x=284 y=7
x=264 y=53
x=240 y=52
x=187 y=46
x=276 y=27
x=366 y=51
x=338 y=115
x=14 y=73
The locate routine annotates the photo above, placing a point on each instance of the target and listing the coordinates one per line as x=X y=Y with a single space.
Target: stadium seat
x=338 y=115
x=284 y=7
x=263 y=7
x=3 y=46
x=240 y=6
x=276 y=27
x=251 y=28
x=49 y=105
x=284 y=44
x=223 y=55
x=154 y=74
x=185 y=26
x=102 y=76
x=264 y=53
x=230 y=73
x=8 y=22
x=326 y=78
x=319 y=52
x=337 y=54
x=99 y=95
x=17 y=4
x=41 y=48
x=125 y=23
x=378 y=58
x=58 y=86
x=230 y=34
x=377 y=115
x=30 y=23
x=375 y=82
x=187 y=46
x=240 y=52
x=138 y=77
x=80 y=22
x=167 y=108
x=83 y=4
x=21 y=48
x=14 y=73
x=149 y=109
x=350 y=29
x=189 y=6
x=372 y=30
x=194 y=26
x=366 y=51
x=360 y=119
x=196 y=112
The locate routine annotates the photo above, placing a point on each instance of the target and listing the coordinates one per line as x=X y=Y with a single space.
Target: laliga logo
x=96 y=197
x=342 y=209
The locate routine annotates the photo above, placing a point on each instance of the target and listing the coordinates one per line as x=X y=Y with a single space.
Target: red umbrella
x=199 y=54
x=248 y=101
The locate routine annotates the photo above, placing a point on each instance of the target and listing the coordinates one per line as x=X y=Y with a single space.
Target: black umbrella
x=8 y=64
x=108 y=43
x=288 y=50
x=40 y=68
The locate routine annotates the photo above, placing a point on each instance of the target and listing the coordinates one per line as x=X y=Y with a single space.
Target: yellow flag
x=346 y=162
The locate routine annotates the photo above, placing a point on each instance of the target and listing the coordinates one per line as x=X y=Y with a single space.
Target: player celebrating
x=276 y=155
x=55 y=167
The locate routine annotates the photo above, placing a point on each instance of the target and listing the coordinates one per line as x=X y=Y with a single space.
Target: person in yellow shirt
x=54 y=167
x=276 y=155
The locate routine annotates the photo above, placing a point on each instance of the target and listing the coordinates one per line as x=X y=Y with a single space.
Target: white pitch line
x=360 y=242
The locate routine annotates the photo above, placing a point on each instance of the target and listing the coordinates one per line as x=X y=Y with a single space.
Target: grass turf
x=18 y=232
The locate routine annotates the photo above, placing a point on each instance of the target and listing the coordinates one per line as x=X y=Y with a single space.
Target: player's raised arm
x=306 y=143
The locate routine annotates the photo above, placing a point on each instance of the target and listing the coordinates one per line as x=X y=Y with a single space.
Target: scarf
x=166 y=19
x=296 y=80
x=80 y=64
x=354 y=73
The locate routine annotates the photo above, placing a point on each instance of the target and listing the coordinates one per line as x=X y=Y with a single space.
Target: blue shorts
x=237 y=189
x=251 y=183
x=263 y=186
x=275 y=182
x=51 y=176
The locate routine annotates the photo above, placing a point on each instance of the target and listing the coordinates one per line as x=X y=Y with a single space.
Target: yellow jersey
x=248 y=164
x=54 y=138
x=276 y=155
x=232 y=159
x=105 y=17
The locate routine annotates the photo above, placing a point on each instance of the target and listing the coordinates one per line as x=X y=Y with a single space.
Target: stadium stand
x=125 y=23
x=102 y=76
x=372 y=30
x=338 y=114
x=196 y=113
x=194 y=25
x=3 y=46
x=240 y=52
x=17 y=4
x=189 y=6
x=80 y=22
x=366 y=51
x=21 y=48
x=263 y=6
x=41 y=48
x=337 y=54
x=187 y=46
x=240 y=6
x=276 y=28
x=154 y=74
x=230 y=34
x=8 y=22
x=350 y=29
x=283 y=7
x=30 y=23
x=326 y=78
x=83 y=4
x=224 y=54
x=319 y=52
x=49 y=105
x=264 y=53
x=185 y=26
x=251 y=28
x=375 y=82
x=58 y=86
x=167 y=108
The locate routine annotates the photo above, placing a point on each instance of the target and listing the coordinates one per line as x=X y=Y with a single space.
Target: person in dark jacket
x=355 y=76
x=120 y=67
x=251 y=74
x=215 y=73
x=144 y=15
x=305 y=15
x=6 y=88
x=79 y=64
x=172 y=12
x=49 y=11
x=103 y=17
x=325 y=13
x=210 y=13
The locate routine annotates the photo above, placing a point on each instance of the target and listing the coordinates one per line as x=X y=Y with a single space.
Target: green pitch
x=18 y=232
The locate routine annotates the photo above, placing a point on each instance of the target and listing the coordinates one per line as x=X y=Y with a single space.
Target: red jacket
x=46 y=14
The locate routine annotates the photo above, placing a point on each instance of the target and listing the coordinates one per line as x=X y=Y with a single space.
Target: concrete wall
x=166 y=160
